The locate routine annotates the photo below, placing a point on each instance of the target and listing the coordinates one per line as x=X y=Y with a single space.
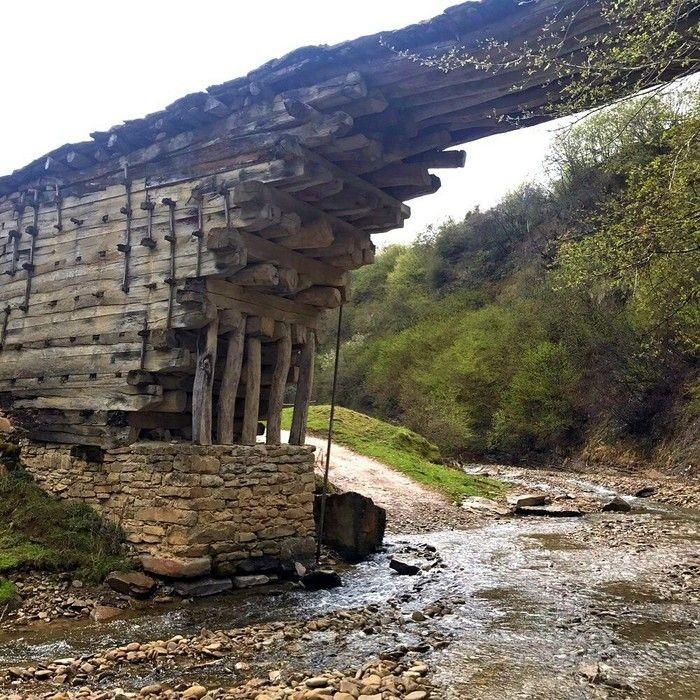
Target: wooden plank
x=252 y=392
x=302 y=399
x=203 y=383
x=229 y=384
x=278 y=386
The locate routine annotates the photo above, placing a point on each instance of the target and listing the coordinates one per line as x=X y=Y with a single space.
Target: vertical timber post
x=279 y=384
x=297 y=435
x=231 y=378
x=252 y=390
x=202 y=390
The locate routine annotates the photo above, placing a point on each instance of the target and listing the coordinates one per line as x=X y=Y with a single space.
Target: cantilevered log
x=439 y=159
x=324 y=297
x=258 y=275
x=316 y=234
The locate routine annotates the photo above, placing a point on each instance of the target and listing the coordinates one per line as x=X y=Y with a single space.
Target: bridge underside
x=165 y=278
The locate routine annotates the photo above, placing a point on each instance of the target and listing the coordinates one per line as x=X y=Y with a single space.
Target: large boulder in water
x=354 y=526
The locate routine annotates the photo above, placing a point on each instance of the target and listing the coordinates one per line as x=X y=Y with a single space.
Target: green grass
x=7 y=591
x=38 y=531
x=399 y=448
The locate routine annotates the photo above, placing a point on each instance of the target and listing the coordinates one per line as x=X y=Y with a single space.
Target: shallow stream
x=536 y=599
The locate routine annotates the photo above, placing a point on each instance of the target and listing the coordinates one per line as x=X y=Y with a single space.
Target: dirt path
x=410 y=506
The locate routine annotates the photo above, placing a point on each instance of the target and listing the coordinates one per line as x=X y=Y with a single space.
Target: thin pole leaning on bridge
x=324 y=492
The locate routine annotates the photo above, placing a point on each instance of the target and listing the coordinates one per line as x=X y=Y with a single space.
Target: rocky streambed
x=601 y=605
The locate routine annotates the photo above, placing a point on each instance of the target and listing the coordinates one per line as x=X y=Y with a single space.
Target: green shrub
x=38 y=531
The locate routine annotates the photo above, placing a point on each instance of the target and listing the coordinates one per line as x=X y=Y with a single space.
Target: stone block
x=176 y=567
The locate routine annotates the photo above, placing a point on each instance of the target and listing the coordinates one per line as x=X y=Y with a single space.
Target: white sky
x=78 y=66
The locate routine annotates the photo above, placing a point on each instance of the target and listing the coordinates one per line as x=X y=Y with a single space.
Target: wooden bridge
x=165 y=278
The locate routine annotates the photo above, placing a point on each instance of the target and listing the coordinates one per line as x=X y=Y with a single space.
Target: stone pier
x=189 y=510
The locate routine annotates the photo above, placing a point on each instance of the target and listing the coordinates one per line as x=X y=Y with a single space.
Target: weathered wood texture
x=253 y=199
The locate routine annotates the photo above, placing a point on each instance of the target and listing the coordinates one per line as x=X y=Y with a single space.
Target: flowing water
x=531 y=600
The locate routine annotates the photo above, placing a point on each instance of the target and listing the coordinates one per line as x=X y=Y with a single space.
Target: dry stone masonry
x=188 y=510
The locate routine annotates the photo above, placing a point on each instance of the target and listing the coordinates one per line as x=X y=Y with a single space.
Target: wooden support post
x=203 y=385
x=229 y=382
x=297 y=435
x=279 y=384
x=252 y=391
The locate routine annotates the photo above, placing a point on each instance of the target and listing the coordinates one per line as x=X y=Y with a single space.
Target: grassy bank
x=41 y=532
x=399 y=448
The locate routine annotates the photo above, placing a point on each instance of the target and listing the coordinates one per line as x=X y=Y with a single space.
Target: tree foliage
x=563 y=312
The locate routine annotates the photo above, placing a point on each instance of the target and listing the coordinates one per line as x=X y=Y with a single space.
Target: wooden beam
x=252 y=391
x=297 y=435
x=325 y=297
x=203 y=385
x=278 y=386
x=439 y=159
x=230 y=380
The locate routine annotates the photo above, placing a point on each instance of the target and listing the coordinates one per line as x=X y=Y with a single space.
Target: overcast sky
x=78 y=66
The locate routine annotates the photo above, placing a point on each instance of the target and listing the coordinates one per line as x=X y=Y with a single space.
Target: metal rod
x=3 y=325
x=125 y=247
x=324 y=492
x=33 y=232
x=172 y=239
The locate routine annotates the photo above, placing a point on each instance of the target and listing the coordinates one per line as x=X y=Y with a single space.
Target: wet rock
x=645 y=491
x=321 y=578
x=526 y=500
x=479 y=504
x=132 y=583
x=617 y=505
x=250 y=581
x=403 y=567
x=265 y=564
x=203 y=587
x=102 y=613
x=553 y=511
x=353 y=525
x=177 y=567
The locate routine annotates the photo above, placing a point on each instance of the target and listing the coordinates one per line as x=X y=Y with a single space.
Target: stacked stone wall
x=212 y=508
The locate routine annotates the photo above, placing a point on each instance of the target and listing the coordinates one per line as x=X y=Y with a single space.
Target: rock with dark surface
x=617 y=505
x=645 y=492
x=202 y=587
x=553 y=511
x=265 y=564
x=132 y=583
x=404 y=567
x=177 y=567
x=321 y=578
x=529 y=499
x=353 y=525
x=250 y=581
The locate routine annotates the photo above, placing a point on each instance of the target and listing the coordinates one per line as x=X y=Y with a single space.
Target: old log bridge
x=165 y=278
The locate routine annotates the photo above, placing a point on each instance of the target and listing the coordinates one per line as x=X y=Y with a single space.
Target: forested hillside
x=563 y=321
